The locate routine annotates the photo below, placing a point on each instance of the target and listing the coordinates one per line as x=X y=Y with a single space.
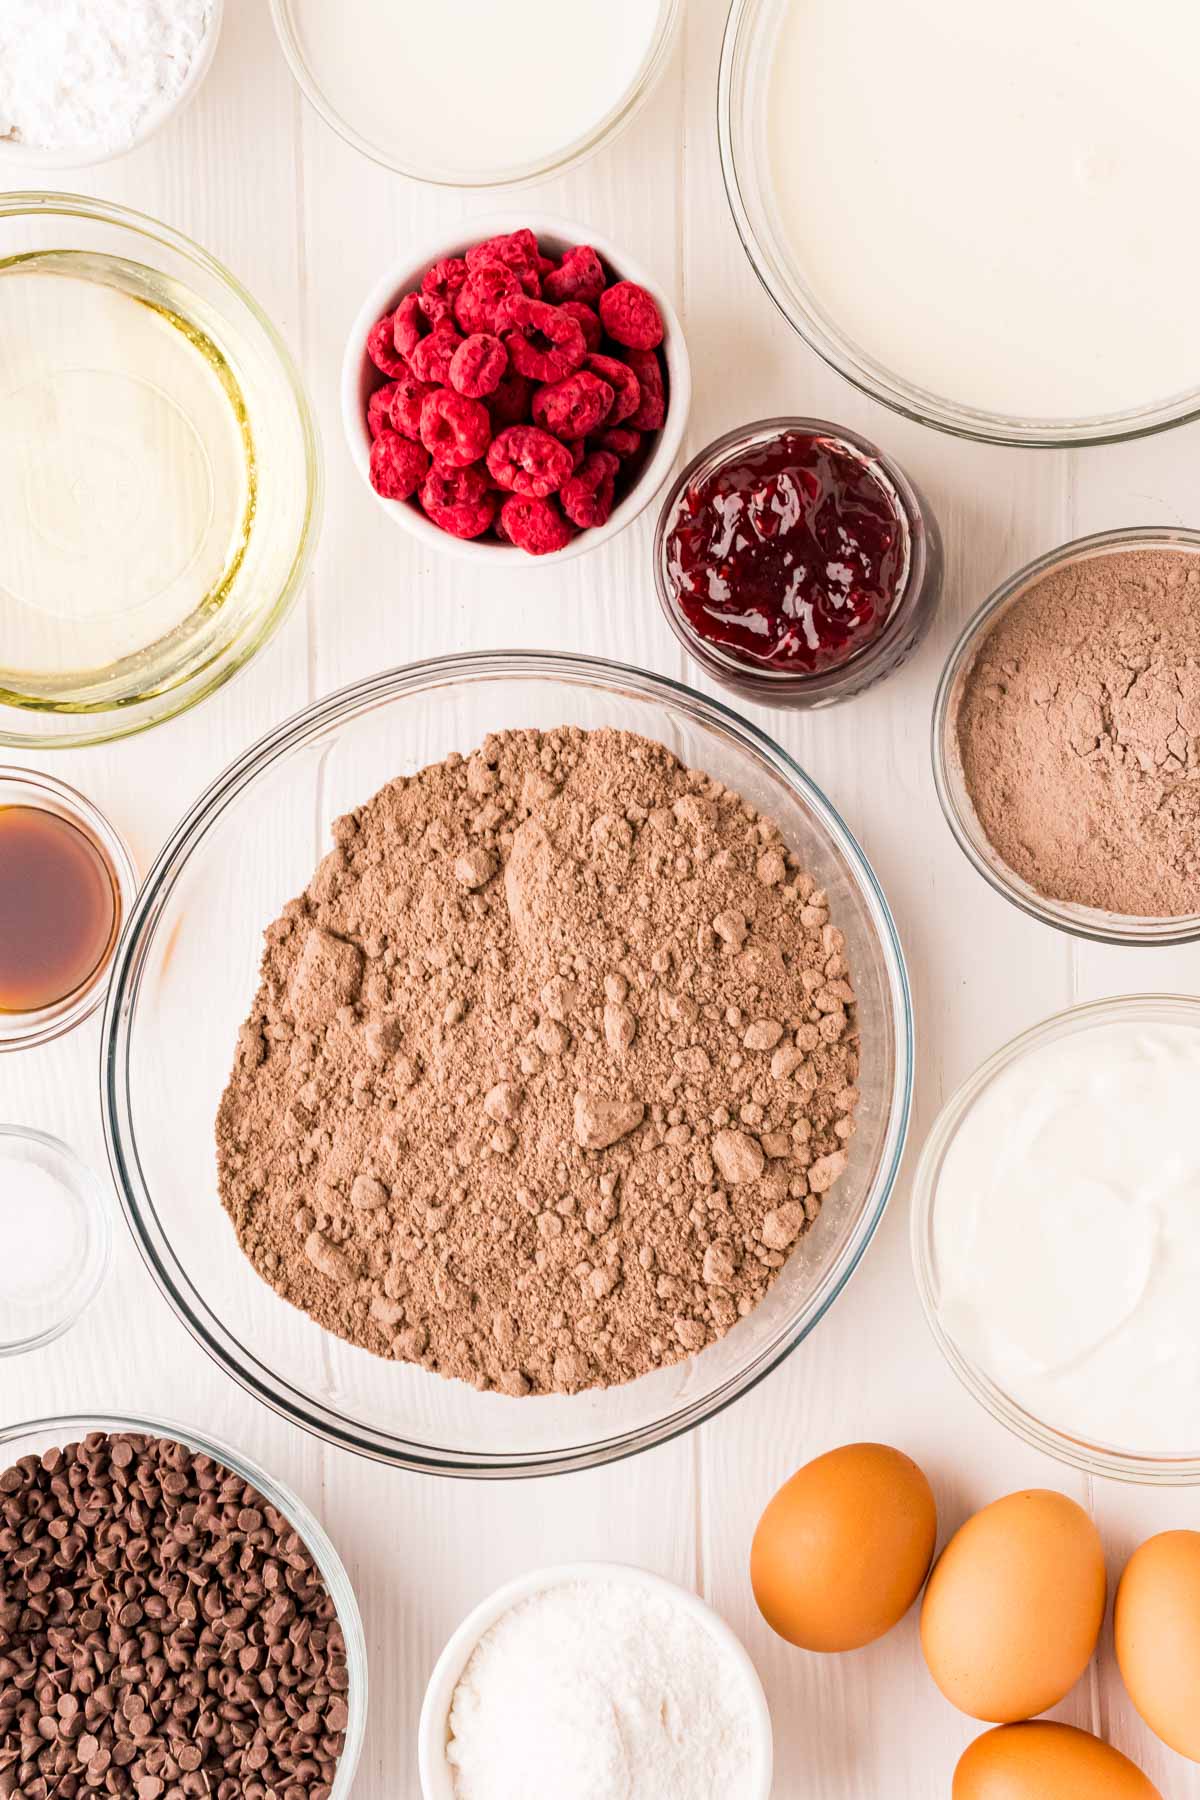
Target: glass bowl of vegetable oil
x=160 y=473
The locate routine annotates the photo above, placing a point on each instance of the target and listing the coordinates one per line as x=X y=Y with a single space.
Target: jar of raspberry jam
x=796 y=563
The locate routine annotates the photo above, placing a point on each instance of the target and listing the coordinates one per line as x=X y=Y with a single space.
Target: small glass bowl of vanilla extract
x=67 y=882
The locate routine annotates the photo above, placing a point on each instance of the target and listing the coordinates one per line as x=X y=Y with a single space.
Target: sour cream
x=1066 y=1234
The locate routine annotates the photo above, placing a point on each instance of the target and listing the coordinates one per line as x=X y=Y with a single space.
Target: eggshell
x=1014 y=1607
x=1157 y=1629
x=841 y=1551
x=1041 y=1761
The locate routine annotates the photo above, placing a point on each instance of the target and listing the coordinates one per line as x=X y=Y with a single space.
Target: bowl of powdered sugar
x=611 y=1678
x=84 y=81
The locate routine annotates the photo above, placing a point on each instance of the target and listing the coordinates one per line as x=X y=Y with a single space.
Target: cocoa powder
x=1079 y=734
x=548 y=1070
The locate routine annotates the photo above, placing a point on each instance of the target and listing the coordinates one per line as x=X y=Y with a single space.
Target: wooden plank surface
x=308 y=224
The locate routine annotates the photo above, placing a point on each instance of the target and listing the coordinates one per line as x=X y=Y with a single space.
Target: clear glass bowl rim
x=521 y=174
x=273 y=1390
x=1076 y=921
x=52 y=1022
x=99 y=1213
x=889 y=388
x=1151 y=1470
x=73 y=1426
x=121 y=722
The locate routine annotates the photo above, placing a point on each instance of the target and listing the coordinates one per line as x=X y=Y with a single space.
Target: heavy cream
x=1067 y=1234
x=988 y=200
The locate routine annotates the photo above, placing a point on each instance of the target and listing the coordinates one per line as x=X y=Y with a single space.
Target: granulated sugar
x=88 y=74
x=597 y=1689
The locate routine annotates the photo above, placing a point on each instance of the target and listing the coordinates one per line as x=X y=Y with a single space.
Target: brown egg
x=1041 y=1761
x=841 y=1551
x=1157 y=1627
x=1014 y=1607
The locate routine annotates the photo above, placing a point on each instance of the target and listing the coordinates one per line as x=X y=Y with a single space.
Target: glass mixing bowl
x=35 y=1436
x=160 y=486
x=186 y=971
x=743 y=109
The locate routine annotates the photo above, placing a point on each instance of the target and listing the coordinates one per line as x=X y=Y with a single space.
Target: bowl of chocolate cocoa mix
x=507 y=1063
x=1066 y=738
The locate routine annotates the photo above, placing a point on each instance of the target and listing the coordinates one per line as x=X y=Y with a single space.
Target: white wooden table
x=308 y=224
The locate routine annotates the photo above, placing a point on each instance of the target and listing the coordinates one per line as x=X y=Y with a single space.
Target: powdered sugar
x=596 y=1689
x=89 y=75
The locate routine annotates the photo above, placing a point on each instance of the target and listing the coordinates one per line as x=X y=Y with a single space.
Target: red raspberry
x=381 y=348
x=431 y=359
x=398 y=466
x=630 y=316
x=627 y=389
x=459 y=501
x=455 y=431
x=580 y=276
x=542 y=342
x=624 y=442
x=528 y=461
x=518 y=250
x=478 y=365
x=589 y=322
x=509 y=405
x=534 y=525
x=574 y=407
x=652 y=407
x=410 y=324
x=408 y=396
x=486 y=286
x=379 y=408
x=579 y=451
x=445 y=278
x=587 y=498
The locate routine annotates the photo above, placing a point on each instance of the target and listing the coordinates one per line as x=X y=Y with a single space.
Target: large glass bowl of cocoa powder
x=185 y=979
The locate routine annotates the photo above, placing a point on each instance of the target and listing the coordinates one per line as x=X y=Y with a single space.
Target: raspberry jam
x=789 y=553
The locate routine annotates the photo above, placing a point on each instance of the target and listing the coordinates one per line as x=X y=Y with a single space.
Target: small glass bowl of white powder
x=56 y=1230
x=589 y=1680
x=84 y=81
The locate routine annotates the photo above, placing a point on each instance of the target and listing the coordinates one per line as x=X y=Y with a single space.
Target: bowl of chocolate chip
x=178 y=1623
x=507 y=1063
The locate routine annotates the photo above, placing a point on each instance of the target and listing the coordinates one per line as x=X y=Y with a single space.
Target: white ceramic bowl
x=360 y=377
x=437 y=1778
x=27 y=156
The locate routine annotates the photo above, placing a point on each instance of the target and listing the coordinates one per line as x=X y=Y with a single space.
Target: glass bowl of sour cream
x=1056 y=1237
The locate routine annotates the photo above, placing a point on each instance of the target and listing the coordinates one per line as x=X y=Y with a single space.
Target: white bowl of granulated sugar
x=84 y=81
x=594 y=1679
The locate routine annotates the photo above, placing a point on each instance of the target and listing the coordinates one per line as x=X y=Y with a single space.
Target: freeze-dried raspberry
x=534 y=525
x=587 y=498
x=623 y=441
x=408 y=396
x=579 y=452
x=542 y=341
x=589 y=322
x=431 y=359
x=437 y=309
x=445 y=278
x=652 y=407
x=528 y=461
x=518 y=250
x=630 y=316
x=379 y=408
x=410 y=324
x=478 y=364
x=627 y=389
x=573 y=407
x=381 y=348
x=459 y=501
x=509 y=405
x=580 y=276
x=398 y=466
x=486 y=286
x=455 y=431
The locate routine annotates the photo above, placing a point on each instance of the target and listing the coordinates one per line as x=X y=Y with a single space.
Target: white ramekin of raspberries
x=520 y=391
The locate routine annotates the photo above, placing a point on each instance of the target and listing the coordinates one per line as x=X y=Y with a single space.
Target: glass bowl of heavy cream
x=972 y=212
x=1056 y=1237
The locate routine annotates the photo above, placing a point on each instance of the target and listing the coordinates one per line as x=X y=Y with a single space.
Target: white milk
x=996 y=202
x=476 y=87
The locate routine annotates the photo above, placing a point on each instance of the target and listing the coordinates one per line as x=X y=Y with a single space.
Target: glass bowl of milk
x=1056 y=1237
x=506 y=94
x=973 y=213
